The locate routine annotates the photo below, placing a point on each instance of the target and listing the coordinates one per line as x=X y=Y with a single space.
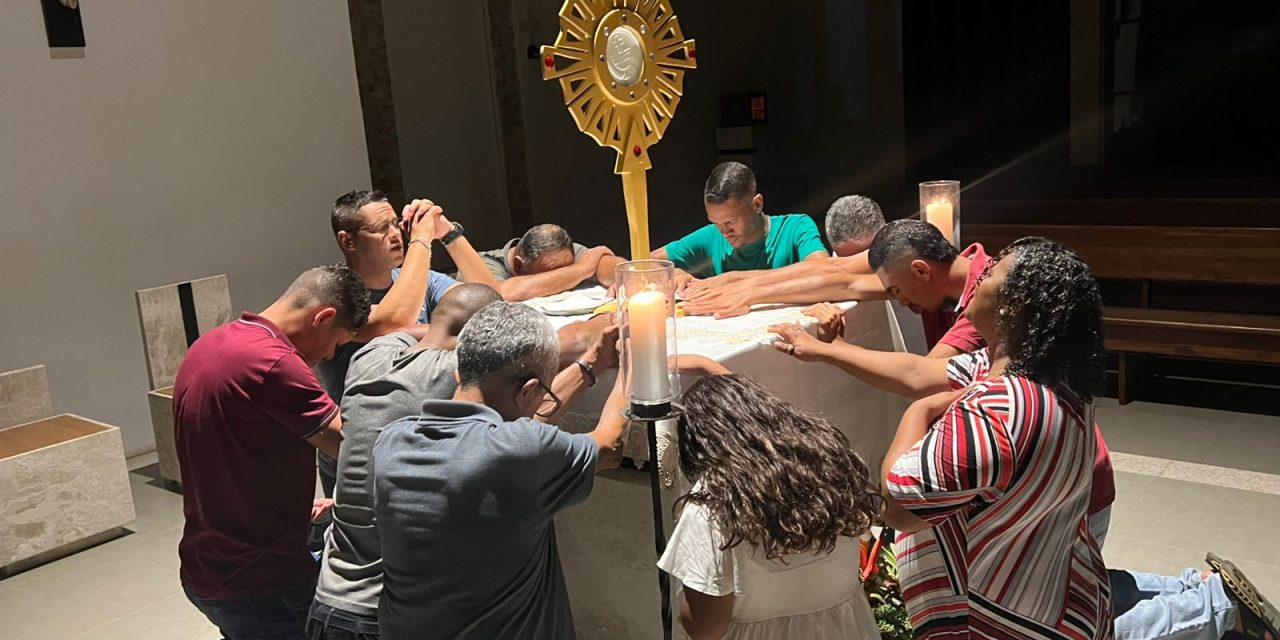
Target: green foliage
x=886 y=599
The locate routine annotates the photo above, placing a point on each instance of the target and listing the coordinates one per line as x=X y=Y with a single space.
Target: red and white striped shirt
x=1004 y=479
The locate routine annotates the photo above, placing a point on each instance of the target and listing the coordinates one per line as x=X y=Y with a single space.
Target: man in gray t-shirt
x=467 y=492
x=545 y=261
x=387 y=379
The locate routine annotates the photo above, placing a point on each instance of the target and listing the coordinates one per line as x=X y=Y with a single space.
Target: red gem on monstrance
x=693 y=53
x=549 y=61
x=636 y=150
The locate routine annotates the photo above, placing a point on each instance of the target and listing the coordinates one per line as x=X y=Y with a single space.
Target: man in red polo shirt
x=919 y=267
x=249 y=415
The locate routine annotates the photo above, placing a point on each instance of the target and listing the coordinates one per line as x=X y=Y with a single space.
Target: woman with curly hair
x=767 y=543
x=991 y=482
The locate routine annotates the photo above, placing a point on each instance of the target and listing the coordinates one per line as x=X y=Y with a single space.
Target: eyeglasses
x=551 y=403
x=381 y=229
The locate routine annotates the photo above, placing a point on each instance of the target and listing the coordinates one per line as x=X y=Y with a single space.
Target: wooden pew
x=1200 y=260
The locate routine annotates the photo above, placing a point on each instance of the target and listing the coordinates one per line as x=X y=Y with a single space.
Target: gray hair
x=853 y=218
x=542 y=239
x=508 y=339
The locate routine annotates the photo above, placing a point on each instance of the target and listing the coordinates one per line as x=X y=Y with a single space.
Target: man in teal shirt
x=741 y=237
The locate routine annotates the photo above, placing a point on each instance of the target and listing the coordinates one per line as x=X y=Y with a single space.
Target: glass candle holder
x=647 y=327
x=940 y=207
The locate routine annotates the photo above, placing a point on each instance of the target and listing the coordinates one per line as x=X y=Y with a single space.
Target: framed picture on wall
x=62 y=23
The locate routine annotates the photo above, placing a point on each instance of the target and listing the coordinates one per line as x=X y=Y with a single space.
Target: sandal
x=1257 y=615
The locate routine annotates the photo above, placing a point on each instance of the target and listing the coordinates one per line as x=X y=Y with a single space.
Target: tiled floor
x=1189 y=481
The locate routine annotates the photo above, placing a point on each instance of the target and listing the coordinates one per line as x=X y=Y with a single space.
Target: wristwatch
x=587 y=372
x=452 y=235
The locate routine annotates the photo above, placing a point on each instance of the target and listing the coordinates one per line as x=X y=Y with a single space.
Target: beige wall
x=442 y=88
x=192 y=138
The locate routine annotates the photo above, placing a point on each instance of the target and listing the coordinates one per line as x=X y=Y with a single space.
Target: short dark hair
x=346 y=209
x=337 y=286
x=729 y=180
x=909 y=239
x=542 y=239
x=853 y=218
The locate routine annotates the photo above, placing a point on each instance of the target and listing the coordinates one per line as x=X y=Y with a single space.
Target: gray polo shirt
x=500 y=266
x=465 y=507
x=385 y=382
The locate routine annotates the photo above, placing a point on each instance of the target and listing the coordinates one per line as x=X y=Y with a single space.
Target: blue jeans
x=274 y=616
x=1187 y=607
x=327 y=623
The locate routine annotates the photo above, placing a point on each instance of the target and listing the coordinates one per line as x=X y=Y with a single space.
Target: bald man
x=387 y=380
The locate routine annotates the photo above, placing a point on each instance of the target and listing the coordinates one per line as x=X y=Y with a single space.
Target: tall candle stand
x=647 y=329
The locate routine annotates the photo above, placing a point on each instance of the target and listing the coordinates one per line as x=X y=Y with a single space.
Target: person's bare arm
x=403 y=302
x=471 y=267
x=607 y=270
x=901 y=373
x=705 y=617
x=520 y=288
x=944 y=351
x=659 y=254
x=572 y=380
x=825 y=285
x=329 y=438
x=816 y=255
x=915 y=423
x=608 y=432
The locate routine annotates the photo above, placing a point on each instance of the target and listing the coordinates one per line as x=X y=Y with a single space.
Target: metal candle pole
x=621 y=65
x=647 y=330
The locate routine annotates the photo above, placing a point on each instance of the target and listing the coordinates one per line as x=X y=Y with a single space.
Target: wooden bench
x=63 y=478
x=1201 y=292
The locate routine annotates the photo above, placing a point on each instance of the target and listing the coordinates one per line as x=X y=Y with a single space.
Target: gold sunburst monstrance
x=621 y=67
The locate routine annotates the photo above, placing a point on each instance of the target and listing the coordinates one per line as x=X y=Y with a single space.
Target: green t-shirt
x=703 y=253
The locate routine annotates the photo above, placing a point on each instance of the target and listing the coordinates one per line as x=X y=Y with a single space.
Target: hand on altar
x=689 y=363
x=706 y=286
x=605 y=350
x=417 y=221
x=683 y=280
x=726 y=303
x=320 y=507
x=795 y=341
x=830 y=321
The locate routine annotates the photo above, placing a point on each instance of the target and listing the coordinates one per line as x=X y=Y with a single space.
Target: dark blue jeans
x=274 y=616
x=327 y=623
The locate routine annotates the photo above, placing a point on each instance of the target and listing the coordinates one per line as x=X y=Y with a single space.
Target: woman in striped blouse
x=991 y=483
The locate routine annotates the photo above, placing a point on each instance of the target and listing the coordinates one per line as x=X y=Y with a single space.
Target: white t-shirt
x=812 y=596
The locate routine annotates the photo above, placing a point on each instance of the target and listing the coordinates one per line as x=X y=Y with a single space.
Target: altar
x=606 y=543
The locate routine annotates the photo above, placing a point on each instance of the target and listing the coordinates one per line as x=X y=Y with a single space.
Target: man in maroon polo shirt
x=249 y=415
x=919 y=267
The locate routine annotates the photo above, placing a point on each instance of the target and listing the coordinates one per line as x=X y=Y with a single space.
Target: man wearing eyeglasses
x=467 y=492
x=392 y=254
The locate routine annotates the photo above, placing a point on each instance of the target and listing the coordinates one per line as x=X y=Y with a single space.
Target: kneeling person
x=467 y=492
x=387 y=380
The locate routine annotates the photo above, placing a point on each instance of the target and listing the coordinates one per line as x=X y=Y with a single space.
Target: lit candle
x=938 y=214
x=647 y=313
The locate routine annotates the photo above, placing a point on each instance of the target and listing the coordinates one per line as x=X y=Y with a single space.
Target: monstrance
x=621 y=66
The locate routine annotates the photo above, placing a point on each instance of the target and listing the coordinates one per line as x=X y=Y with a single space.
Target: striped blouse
x=1004 y=478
